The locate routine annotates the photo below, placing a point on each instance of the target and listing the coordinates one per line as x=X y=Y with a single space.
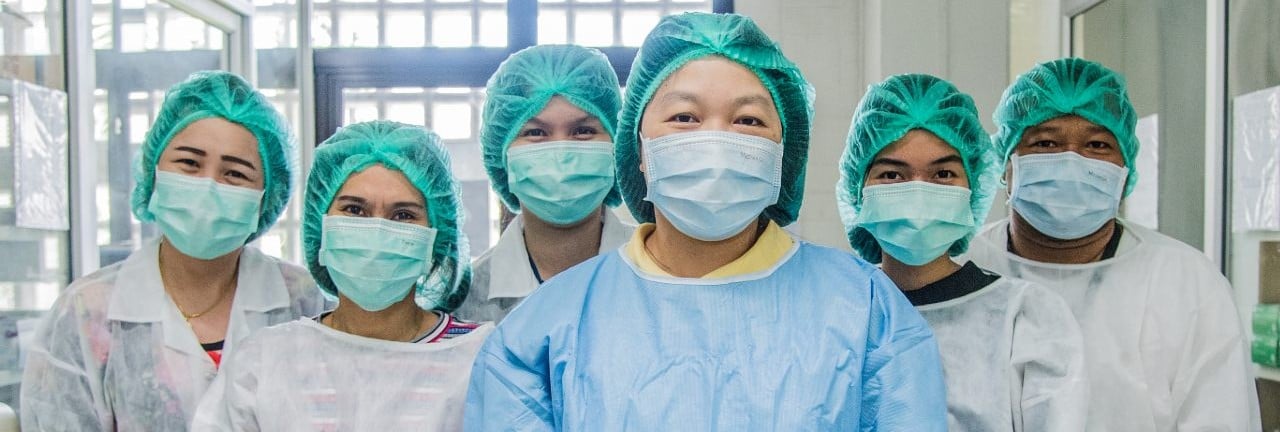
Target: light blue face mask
x=1065 y=195
x=375 y=262
x=711 y=184
x=202 y=218
x=561 y=182
x=916 y=222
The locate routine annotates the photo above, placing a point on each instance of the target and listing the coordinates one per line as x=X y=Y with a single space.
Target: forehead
x=1068 y=123
x=712 y=78
x=379 y=182
x=559 y=109
x=918 y=145
x=217 y=134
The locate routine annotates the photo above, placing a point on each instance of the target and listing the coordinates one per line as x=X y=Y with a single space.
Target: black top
x=212 y=346
x=969 y=279
x=1108 y=252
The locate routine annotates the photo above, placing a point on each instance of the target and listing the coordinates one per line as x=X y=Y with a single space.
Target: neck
x=687 y=257
x=1031 y=244
x=910 y=278
x=401 y=322
x=556 y=248
x=190 y=280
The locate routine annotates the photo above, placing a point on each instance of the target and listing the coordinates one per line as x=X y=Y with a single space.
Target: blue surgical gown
x=822 y=341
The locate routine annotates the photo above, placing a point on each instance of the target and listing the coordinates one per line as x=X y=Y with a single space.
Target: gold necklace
x=185 y=316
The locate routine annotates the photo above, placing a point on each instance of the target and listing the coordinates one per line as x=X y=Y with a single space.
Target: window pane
x=552 y=28
x=451 y=29
x=451 y=120
x=406 y=29
x=321 y=31
x=493 y=28
x=593 y=28
x=358 y=29
x=413 y=113
x=268 y=31
x=636 y=25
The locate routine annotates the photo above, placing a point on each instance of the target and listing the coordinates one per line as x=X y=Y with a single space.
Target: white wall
x=844 y=45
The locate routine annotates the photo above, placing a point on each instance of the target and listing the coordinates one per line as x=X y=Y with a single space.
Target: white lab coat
x=1013 y=359
x=1163 y=342
x=304 y=376
x=114 y=352
x=501 y=277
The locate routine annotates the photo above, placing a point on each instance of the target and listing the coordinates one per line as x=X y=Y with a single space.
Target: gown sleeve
x=62 y=381
x=902 y=381
x=510 y=386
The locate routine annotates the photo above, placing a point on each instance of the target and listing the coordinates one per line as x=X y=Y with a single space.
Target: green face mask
x=204 y=219
x=561 y=182
x=375 y=262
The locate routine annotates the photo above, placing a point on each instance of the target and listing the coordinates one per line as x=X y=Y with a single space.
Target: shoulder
x=88 y=295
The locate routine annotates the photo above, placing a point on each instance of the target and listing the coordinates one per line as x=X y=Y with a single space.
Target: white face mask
x=711 y=184
x=1065 y=195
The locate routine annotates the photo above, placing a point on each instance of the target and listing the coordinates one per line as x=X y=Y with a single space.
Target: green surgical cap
x=521 y=88
x=1069 y=86
x=418 y=154
x=899 y=105
x=227 y=96
x=679 y=39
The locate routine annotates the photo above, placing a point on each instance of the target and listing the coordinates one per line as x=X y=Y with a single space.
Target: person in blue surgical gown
x=916 y=180
x=712 y=317
x=1164 y=345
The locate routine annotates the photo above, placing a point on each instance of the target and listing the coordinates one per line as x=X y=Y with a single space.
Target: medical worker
x=381 y=232
x=549 y=117
x=1163 y=342
x=916 y=181
x=712 y=317
x=134 y=345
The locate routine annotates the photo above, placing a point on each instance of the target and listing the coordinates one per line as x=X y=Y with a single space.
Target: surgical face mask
x=561 y=182
x=710 y=184
x=204 y=219
x=916 y=222
x=1064 y=195
x=375 y=262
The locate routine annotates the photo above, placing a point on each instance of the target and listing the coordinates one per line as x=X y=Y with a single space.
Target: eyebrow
x=903 y=164
x=544 y=124
x=755 y=99
x=410 y=205
x=237 y=160
x=1092 y=128
x=191 y=149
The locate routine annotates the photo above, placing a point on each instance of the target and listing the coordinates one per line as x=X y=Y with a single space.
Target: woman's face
x=918 y=156
x=561 y=121
x=217 y=149
x=712 y=94
x=383 y=193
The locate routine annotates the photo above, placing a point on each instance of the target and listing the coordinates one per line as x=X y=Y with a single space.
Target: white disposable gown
x=1013 y=359
x=305 y=376
x=502 y=276
x=1163 y=342
x=114 y=353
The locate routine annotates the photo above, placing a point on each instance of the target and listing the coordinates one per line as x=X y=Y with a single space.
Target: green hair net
x=521 y=88
x=1069 y=86
x=889 y=110
x=224 y=95
x=418 y=154
x=679 y=39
